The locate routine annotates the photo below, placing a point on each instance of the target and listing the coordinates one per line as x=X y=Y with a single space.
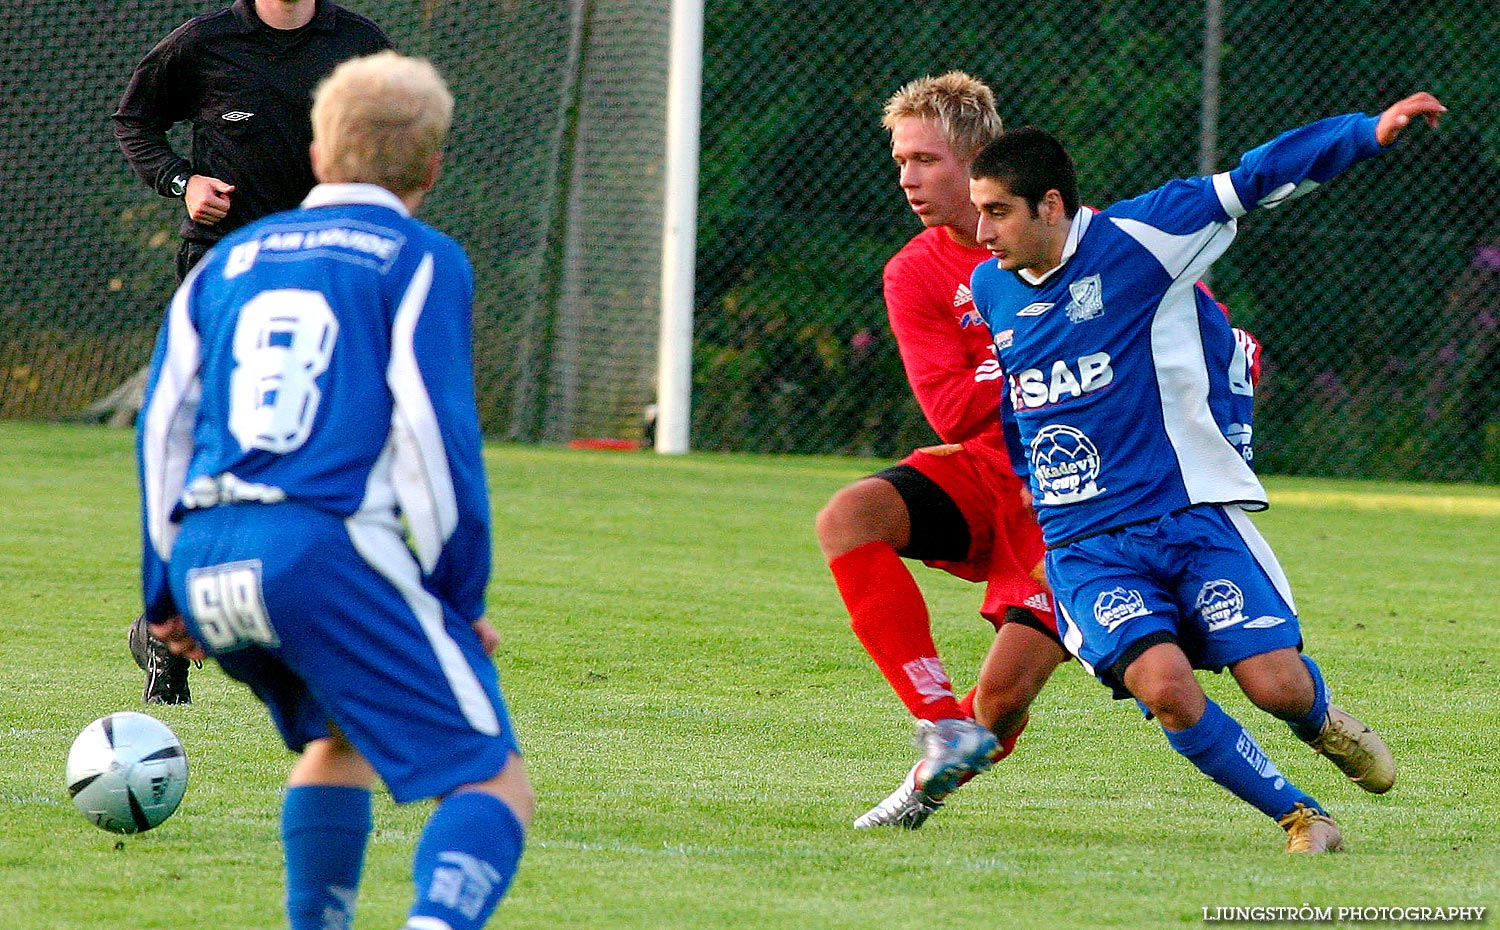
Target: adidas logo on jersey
x=963 y=296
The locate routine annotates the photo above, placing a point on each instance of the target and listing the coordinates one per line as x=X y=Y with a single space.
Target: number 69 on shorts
x=225 y=601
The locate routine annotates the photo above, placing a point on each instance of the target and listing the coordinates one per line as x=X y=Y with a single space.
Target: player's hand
x=174 y=633
x=1399 y=115
x=489 y=637
x=207 y=199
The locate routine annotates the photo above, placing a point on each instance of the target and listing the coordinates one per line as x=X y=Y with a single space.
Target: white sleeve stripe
x=1287 y=192
x=1180 y=253
x=167 y=431
x=424 y=486
x=1229 y=198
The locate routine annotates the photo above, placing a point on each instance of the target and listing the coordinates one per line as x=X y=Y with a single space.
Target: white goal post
x=679 y=230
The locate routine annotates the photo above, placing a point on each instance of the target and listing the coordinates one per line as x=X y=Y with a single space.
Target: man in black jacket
x=243 y=78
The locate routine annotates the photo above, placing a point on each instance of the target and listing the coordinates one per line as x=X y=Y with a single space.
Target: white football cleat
x=906 y=807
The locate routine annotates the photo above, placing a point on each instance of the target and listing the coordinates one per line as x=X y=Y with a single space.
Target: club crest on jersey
x=1221 y=604
x=970 y=317
x=1115 y=606
x=1065 y=465
x=1088 y=299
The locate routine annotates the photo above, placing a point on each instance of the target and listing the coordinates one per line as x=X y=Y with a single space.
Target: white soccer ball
x=127 y=772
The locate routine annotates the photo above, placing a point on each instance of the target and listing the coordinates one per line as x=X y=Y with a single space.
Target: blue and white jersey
x=323 y=356
x=1128 y=398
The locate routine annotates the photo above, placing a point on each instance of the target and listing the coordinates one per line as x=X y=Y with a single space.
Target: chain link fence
x=559 y=109
x=1377 y=301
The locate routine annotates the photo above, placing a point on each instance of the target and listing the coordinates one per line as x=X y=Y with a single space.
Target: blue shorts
x=327 y=619
x=1202 y=577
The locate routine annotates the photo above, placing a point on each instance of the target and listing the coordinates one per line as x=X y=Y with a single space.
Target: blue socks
x=1223 y=750
x=464 y=862
x=1307 y=728
x=324 y=829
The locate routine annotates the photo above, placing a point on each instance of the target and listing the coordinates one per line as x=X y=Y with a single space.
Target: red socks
x=890 y=618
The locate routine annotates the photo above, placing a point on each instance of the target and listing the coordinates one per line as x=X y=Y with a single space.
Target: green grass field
x=702 y=726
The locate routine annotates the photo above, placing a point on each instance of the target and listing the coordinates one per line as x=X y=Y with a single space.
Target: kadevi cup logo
x=1115 y=606
x=1221 y=604
x=1065 y=464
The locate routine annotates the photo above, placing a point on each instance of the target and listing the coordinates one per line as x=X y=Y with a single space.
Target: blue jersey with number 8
x=323 y=356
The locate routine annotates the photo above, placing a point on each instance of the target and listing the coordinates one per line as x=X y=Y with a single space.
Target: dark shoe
x=166 y=674
x=139 y=639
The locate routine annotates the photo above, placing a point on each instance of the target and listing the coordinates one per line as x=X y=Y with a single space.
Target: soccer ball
x=127 y=772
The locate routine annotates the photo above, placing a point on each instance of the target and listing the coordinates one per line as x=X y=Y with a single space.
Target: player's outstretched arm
x=1399 y=115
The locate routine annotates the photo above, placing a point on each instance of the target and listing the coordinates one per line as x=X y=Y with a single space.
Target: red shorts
x=1005 y=543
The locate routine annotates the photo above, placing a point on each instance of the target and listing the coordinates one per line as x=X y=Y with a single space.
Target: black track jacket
x=246 y=89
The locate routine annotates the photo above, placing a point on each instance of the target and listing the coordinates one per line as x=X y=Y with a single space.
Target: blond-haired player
x=957 y=506
x=316 y=514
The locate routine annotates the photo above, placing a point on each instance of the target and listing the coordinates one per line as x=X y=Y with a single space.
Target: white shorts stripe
x=388 y=554
x=1072 y=636
x=1261 y=551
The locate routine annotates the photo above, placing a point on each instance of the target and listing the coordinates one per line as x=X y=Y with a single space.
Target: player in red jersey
x=957 y=506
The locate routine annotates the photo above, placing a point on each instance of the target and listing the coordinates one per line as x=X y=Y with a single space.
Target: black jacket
x=246 y=89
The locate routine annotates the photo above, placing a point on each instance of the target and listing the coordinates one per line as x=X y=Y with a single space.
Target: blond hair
x=961 y=104
x=381 y=119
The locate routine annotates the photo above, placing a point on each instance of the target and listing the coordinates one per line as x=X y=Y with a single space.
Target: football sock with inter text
x=465 y=860
x=1226 y=752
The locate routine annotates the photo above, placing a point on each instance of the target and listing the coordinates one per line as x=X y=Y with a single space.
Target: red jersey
x=945 y=346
